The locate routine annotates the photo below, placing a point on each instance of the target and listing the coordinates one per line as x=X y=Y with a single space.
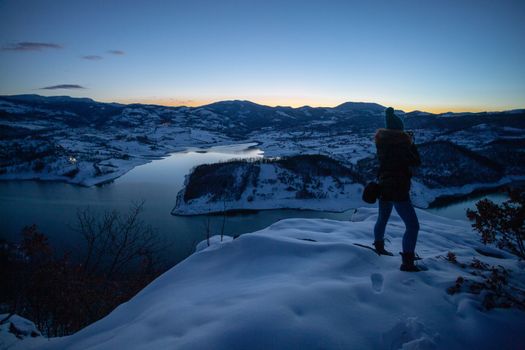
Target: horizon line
x=171 y=102
x=406 y=108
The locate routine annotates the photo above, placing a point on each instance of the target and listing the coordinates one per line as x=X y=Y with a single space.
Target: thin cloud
x=116 y=52
x=30 y=46
x=63 y=86
x=92 y=57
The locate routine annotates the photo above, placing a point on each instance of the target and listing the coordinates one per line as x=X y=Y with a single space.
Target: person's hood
x=392 y=121
x=391 y=137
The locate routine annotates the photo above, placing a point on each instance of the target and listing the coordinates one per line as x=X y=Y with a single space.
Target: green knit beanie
x=392 y=121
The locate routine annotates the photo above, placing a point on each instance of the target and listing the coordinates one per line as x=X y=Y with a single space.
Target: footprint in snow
x=410 y=333
x=409 y=282
x=377 y=282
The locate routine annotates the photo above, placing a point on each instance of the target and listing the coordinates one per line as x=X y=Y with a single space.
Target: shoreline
x=445 y=200
x=248 y=211
x=123 y=170
x=438 y=202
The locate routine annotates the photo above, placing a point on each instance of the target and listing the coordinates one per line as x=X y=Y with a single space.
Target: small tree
x=502 y=224
x=207 y=227
x=223 y=218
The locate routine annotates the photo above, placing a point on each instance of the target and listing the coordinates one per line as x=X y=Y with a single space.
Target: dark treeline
x=61 y=292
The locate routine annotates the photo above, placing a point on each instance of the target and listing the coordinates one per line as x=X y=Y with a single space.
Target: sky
x=435 y=56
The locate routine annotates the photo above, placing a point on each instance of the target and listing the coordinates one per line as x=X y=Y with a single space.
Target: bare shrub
x=491 y=283
x=116 y=243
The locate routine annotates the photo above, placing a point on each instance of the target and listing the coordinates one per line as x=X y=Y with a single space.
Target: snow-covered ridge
x=312 y=182
x=303 y=284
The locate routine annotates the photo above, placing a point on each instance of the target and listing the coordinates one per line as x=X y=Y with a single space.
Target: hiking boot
x=408 y=263
x=380 y=248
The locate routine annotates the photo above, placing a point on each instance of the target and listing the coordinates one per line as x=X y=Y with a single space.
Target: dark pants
x=408 y=215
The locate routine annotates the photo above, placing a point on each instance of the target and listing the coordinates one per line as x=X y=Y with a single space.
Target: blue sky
x=430 y=55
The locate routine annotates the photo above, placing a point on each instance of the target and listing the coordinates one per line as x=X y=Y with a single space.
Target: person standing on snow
x=396 y=153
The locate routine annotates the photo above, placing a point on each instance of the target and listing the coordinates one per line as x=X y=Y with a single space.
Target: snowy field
x=303 y=284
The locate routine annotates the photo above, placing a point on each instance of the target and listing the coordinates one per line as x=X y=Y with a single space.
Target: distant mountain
x=360 y=106
x=74 y=112
x=237 y=118
x=234 y=105
x=33 y=98
x=241 y=106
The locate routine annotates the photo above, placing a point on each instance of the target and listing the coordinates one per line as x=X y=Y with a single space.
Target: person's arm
x=413 y=156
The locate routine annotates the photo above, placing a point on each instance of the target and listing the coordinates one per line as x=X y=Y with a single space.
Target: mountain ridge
x=345 y=106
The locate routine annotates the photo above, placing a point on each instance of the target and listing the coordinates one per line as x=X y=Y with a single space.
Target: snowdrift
x=303 y=284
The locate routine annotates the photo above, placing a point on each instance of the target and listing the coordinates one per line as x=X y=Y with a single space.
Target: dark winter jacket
x=396 y=153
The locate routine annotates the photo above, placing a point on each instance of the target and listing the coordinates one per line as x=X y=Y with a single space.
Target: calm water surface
x=52 y=206
x=458 y=208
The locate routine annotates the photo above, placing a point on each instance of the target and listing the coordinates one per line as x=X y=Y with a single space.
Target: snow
x=17 y=333
x=26 y=125
x=101 y=149
x=303 y=284
x=214 y=243
x=284 y=114
x=13 y=108
x=270 y=193
x=513 y=130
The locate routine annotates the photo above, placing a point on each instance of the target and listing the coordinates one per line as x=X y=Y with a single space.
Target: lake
x=52 y=206
x=457 y=208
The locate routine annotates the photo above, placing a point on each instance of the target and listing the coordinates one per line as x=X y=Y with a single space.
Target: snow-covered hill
x=313 y=182
x=85 y=142
x=303 y=284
